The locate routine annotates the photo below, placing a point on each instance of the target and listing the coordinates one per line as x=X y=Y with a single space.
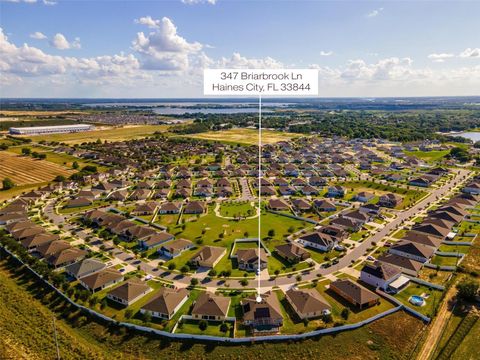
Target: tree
x=271 y=233
x=244 y=282
x=203 y=325
x=59 y=178
x=194 y=282
x=460 y=154
x=345 y=313
x=7 y=184
x=147 y=317
x=26 y=151
x=75 y=165
x=185 y=269
x=467 y=290
x=224 y=327
x=171 y=266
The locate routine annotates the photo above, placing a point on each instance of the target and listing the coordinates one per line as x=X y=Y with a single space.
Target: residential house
x=165 y=303
x=354 y=293
x=292 y=253
x=155 y=240
x=85 y=267
x=379 y=274
x=264 y=317
x=390 y=200
x=175 y=248
x=208 y=256
x=317 y=240
x=405 y=265
x=247 y=259
x=129 y=292
x=307 y=303
x=209 y=306
x=412 y=250
x=101 y=280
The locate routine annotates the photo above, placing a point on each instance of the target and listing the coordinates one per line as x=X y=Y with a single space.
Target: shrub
x=203 y=325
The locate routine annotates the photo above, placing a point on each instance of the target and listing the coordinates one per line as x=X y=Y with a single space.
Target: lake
x=472 y=135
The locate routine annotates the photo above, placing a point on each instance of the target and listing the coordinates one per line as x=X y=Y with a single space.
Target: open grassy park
x=245 y=136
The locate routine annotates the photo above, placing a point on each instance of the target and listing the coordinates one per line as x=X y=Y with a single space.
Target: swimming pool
x=417 y=300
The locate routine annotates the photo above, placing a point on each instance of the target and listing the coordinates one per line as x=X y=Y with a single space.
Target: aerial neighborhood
x=350 y=229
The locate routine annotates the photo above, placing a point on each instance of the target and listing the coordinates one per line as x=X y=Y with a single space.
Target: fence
x=178 y=336
x=426 y=283
x=440 y=267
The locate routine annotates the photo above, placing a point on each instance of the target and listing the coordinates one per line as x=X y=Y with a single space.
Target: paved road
x=266 y=284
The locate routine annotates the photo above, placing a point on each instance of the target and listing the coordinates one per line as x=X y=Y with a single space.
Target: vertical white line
x=259 y=189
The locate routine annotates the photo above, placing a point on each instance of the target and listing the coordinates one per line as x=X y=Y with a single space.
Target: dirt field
x=245 y=136
x=111 y=134
x=25 y=170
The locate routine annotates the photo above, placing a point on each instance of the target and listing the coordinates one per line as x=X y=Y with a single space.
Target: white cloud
x=440 y=57
x=164 y=48
x=38 y=35
x=470 y=53
x=193 y=2
x=60 y=42
x=27 y=61
x=147 y=20
x=48 y=2
x=374 y=13
x=326 y=53
x=237 y=61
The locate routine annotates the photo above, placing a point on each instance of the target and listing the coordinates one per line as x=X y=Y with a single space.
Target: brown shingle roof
x=211 y=304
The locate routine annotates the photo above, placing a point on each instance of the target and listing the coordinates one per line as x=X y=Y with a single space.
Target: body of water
x=472 y=135
x=180 y=110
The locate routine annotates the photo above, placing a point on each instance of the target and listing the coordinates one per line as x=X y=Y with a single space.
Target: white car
x=370 y=258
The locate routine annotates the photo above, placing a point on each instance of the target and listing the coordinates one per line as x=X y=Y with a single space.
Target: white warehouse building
x=58 y=129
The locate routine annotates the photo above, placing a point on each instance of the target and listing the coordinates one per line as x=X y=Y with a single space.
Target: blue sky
x=159 y=48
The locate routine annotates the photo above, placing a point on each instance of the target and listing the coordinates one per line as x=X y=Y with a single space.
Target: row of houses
x=418 y=245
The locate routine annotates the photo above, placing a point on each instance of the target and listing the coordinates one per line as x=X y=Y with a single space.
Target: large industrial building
x=37 y=130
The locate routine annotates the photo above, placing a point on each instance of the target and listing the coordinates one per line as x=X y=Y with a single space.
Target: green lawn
x=237 y=209
x=192 y=327
x=275 y=262
x=453 y=248
x=429 y=156
x=444 y=260
x=416 y=289
x=216 y=231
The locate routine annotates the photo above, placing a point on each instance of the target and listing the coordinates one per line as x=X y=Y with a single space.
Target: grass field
x=57 y=158
x=27 y=333
x=25 y=170
x=430 y=156
x=236 y=209
x=111 y=134
x=245 y=136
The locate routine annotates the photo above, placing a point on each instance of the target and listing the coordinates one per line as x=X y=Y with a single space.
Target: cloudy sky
x=51 y=48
